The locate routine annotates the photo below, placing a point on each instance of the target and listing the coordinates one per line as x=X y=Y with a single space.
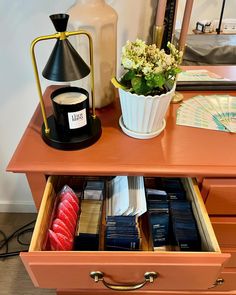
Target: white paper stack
x=216 y=112
x=199 y=75
x=126 y=196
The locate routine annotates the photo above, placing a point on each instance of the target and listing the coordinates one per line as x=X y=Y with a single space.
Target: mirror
x=207 y=45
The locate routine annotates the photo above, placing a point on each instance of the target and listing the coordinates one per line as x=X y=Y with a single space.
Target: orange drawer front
x=225 y=230
x=139 y=292
x=72 y=270
x=175 y=270
x=232 y=261
x=229 y=277
x=219 y=196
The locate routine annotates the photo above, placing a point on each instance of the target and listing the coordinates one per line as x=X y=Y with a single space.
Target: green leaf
x=128 y=76
x=155 y=81
x=140 y=86
x=136 y=84
x=173 y=72
x=169 y=84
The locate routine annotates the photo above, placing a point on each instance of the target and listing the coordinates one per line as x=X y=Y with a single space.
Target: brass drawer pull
x=218 y=282
x=148 y=278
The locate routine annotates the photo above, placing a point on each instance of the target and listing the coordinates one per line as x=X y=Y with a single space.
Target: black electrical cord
x=5 y=238
x=16 y=234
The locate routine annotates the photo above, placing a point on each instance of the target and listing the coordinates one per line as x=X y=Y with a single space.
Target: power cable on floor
x=18 y=235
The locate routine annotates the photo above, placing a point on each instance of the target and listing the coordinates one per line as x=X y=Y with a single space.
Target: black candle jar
x=71 y=109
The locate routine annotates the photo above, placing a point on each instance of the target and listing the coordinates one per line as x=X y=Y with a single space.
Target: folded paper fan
x=216 y=112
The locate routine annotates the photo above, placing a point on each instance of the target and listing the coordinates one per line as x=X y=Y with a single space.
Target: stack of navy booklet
x=171 y=220
x=122 y=233
x=185 y=232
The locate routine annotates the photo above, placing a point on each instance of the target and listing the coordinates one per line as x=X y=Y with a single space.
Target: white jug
x=100 y=20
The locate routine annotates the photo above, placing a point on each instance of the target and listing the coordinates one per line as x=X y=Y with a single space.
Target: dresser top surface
x=178 y=150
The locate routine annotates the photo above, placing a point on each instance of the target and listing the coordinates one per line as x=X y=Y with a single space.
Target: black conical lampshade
x=64 y=64
x=60 y=21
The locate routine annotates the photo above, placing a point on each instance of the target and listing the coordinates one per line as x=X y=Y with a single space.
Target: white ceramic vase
x=144 y=116
x=100 y=20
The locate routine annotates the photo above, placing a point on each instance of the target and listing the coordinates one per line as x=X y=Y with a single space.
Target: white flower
x=151 y=63
x=147 y=68
x=158 y=70
x=168 y=60
x=127 y=63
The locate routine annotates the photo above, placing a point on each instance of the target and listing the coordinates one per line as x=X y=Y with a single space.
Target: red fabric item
x=57 y=227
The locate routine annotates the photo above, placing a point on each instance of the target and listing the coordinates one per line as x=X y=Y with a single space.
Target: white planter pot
x=144 y=114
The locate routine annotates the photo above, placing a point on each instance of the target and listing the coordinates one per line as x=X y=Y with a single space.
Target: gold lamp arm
x=33 y=58
x=91 y=63
x=61 y=35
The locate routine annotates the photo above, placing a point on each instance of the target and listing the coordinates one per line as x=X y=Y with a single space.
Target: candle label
x=77 y=119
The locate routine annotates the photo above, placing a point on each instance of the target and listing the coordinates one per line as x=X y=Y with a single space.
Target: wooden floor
x=14 y=279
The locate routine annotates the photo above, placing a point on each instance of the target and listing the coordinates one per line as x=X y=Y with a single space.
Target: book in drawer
x=72 y=269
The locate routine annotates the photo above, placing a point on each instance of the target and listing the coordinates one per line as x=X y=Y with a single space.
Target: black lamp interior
x=65 y=64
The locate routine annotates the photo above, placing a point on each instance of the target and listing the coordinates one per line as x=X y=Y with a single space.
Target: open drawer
x=175 y=270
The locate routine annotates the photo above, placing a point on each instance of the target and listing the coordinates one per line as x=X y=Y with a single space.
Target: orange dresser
x=179 y=151
x=219 y=195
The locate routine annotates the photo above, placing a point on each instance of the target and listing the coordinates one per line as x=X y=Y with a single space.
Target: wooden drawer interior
x=55 y=183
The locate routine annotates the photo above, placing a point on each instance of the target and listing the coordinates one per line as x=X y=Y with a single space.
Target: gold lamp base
x=177 y=98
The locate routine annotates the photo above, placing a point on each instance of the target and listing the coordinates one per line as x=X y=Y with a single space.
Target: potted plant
x=146 y=87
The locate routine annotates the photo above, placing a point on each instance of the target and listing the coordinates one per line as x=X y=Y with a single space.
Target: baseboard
x=19 y=207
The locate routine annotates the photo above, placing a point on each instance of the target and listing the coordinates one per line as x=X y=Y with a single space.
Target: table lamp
x=72 y=125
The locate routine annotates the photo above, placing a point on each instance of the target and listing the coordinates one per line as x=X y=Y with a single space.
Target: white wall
x=21 y=22
x=206 y=10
